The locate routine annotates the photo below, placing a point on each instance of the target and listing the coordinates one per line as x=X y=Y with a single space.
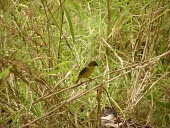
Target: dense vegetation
x=45 y=43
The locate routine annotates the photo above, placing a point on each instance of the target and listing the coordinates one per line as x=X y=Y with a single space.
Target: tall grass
x=44 y=45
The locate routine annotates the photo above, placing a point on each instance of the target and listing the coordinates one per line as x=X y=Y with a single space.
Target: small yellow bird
x=87 y=71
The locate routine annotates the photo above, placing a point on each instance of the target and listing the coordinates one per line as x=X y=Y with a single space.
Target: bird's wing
x=82 y=71
x=81 y=74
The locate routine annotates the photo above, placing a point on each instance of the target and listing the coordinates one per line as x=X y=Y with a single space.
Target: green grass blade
x=70 y=24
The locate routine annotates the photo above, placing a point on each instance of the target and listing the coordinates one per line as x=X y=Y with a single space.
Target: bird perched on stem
x=87 y=71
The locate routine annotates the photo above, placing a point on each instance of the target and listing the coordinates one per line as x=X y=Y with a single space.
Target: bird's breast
x=88 y=72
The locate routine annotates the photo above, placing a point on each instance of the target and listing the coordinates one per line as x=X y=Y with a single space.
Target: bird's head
x=93 y=63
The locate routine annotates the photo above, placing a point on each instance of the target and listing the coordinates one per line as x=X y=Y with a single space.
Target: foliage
x=44 y=44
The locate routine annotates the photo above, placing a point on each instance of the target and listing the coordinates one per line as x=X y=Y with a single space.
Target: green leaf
x=70 y=24
x=3 y=73
x=166 y=105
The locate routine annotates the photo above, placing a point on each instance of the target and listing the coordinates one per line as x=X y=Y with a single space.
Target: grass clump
x=44 y=45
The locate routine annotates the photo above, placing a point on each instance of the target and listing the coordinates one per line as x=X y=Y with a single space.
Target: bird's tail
x=77 y=80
